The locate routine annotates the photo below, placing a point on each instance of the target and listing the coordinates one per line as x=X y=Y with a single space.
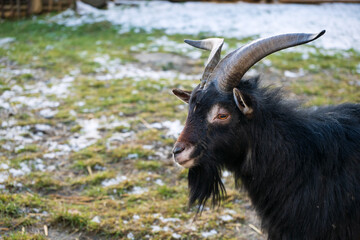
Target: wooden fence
x=23 y=8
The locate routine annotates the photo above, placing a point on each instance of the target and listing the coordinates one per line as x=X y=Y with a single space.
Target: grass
x=129 y=151
x=72 y=193
x=29 y=148
x=148 y=165
x=24 y=236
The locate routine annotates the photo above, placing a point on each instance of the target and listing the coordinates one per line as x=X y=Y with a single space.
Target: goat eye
x=222 y=116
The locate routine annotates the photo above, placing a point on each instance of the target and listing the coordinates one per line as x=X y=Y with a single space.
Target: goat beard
x=205 y=182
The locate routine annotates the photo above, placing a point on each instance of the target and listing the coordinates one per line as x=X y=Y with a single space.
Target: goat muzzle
x=183 y=154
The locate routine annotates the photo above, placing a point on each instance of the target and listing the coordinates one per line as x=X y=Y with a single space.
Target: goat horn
x=211 y=44
x=231 y=69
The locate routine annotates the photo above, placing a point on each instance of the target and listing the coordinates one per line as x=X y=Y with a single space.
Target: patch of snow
x=43 y=127
x=39 y=165
x=88 y=136
x=56 y=150
x=226 y=218
x=267 y=62
x=230 y=211
x=96 y=219
x=8 y=123
x=80 y=104
x=35 y=102
x=9 y=72
x=49 y=47
x=17 y=89
x=104 y=59
x=72 y=113
x=155 y=228
x=159 y=182
x=168 y=45
x=174 y=127
x=191 y=227
x=50 y=155
x=133 y=156
x=252 y=73
x=3 y=176
x=230 y=19
x=176 y=236
x=293 y=74
x=75 y=72
x=114 y=70
x=24 y=169
x=209 y=234
x=17 y=134
x=7 y=94
x=166 y=220
x=120 y=137
x=48 y=113
x=193 y=55
x=7 y=146
x=7 y=40
x=113 y=181
x=226 y=173
x=136 y=217
x=4 y=166
x=68 y=79
x=130 y=235
x=156 y=125
x=305 y=56
x=60 y=90
x=167 y=229
x=58 y=87
x=58 y=147
x=138 y=190
x=115 y=124
x=50 y=168
x=32 y=102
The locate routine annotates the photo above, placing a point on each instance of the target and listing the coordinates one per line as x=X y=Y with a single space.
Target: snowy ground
x=239 y=20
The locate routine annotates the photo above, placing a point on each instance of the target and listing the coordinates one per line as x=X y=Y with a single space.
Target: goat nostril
x=178 y=149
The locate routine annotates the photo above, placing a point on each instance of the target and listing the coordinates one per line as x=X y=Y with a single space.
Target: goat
x=300 y=167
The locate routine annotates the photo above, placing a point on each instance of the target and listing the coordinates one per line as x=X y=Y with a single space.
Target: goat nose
x=178 y=148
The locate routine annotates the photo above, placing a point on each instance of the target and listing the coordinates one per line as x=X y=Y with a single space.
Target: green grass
x=93 y=179
x=28 y=148
x=129 y=151
x=148 y=165
x=24 y=236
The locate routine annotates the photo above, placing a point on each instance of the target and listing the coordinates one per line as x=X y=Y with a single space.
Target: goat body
x=302 y=170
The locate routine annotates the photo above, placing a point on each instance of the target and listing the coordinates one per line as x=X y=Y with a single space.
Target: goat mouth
x=186 y=163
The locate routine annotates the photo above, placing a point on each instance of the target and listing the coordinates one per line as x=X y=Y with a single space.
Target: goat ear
x=243 y=102
x=182 y=94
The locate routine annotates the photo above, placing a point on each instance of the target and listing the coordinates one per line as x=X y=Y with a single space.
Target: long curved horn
x=231 y=69
x=211 y=44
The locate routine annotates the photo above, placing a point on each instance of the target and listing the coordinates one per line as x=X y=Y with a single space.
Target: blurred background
x=88 y=120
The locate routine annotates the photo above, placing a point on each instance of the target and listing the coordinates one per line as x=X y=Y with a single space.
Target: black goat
x=301 y=167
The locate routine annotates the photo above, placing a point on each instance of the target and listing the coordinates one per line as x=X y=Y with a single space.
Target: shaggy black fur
x=301 y=167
